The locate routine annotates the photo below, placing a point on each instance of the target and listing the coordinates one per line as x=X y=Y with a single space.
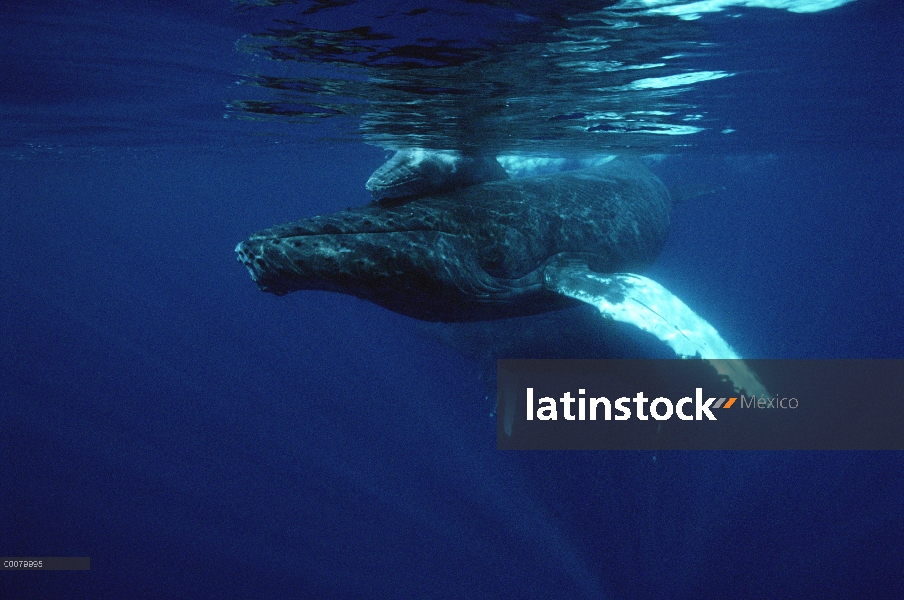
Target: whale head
x=410 y=262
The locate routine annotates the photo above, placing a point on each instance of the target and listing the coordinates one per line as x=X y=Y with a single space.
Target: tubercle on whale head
x=431 y=275
x=335 y=252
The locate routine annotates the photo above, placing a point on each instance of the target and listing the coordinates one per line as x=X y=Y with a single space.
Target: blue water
x=197 y=438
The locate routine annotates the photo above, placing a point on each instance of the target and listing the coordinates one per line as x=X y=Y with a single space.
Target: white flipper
x=642 y=302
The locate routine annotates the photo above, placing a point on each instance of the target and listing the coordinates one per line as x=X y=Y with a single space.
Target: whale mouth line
x=288 y=236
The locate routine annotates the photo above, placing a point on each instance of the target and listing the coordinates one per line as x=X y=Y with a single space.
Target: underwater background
x=198 y=438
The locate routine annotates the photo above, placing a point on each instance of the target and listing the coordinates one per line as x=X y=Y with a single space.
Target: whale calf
x=501 y=249
x=418 y=172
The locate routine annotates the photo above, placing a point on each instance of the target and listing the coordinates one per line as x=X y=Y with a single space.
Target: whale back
x=619 y=212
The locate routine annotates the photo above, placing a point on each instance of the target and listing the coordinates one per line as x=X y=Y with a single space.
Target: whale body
x=477 y=253
x=502 y=249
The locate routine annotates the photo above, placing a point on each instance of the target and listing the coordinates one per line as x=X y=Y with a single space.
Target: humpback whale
x=500 y=249
x=480 y=252
x=419 y=172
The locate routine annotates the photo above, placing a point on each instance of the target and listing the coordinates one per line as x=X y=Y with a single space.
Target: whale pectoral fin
x=642 y=302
